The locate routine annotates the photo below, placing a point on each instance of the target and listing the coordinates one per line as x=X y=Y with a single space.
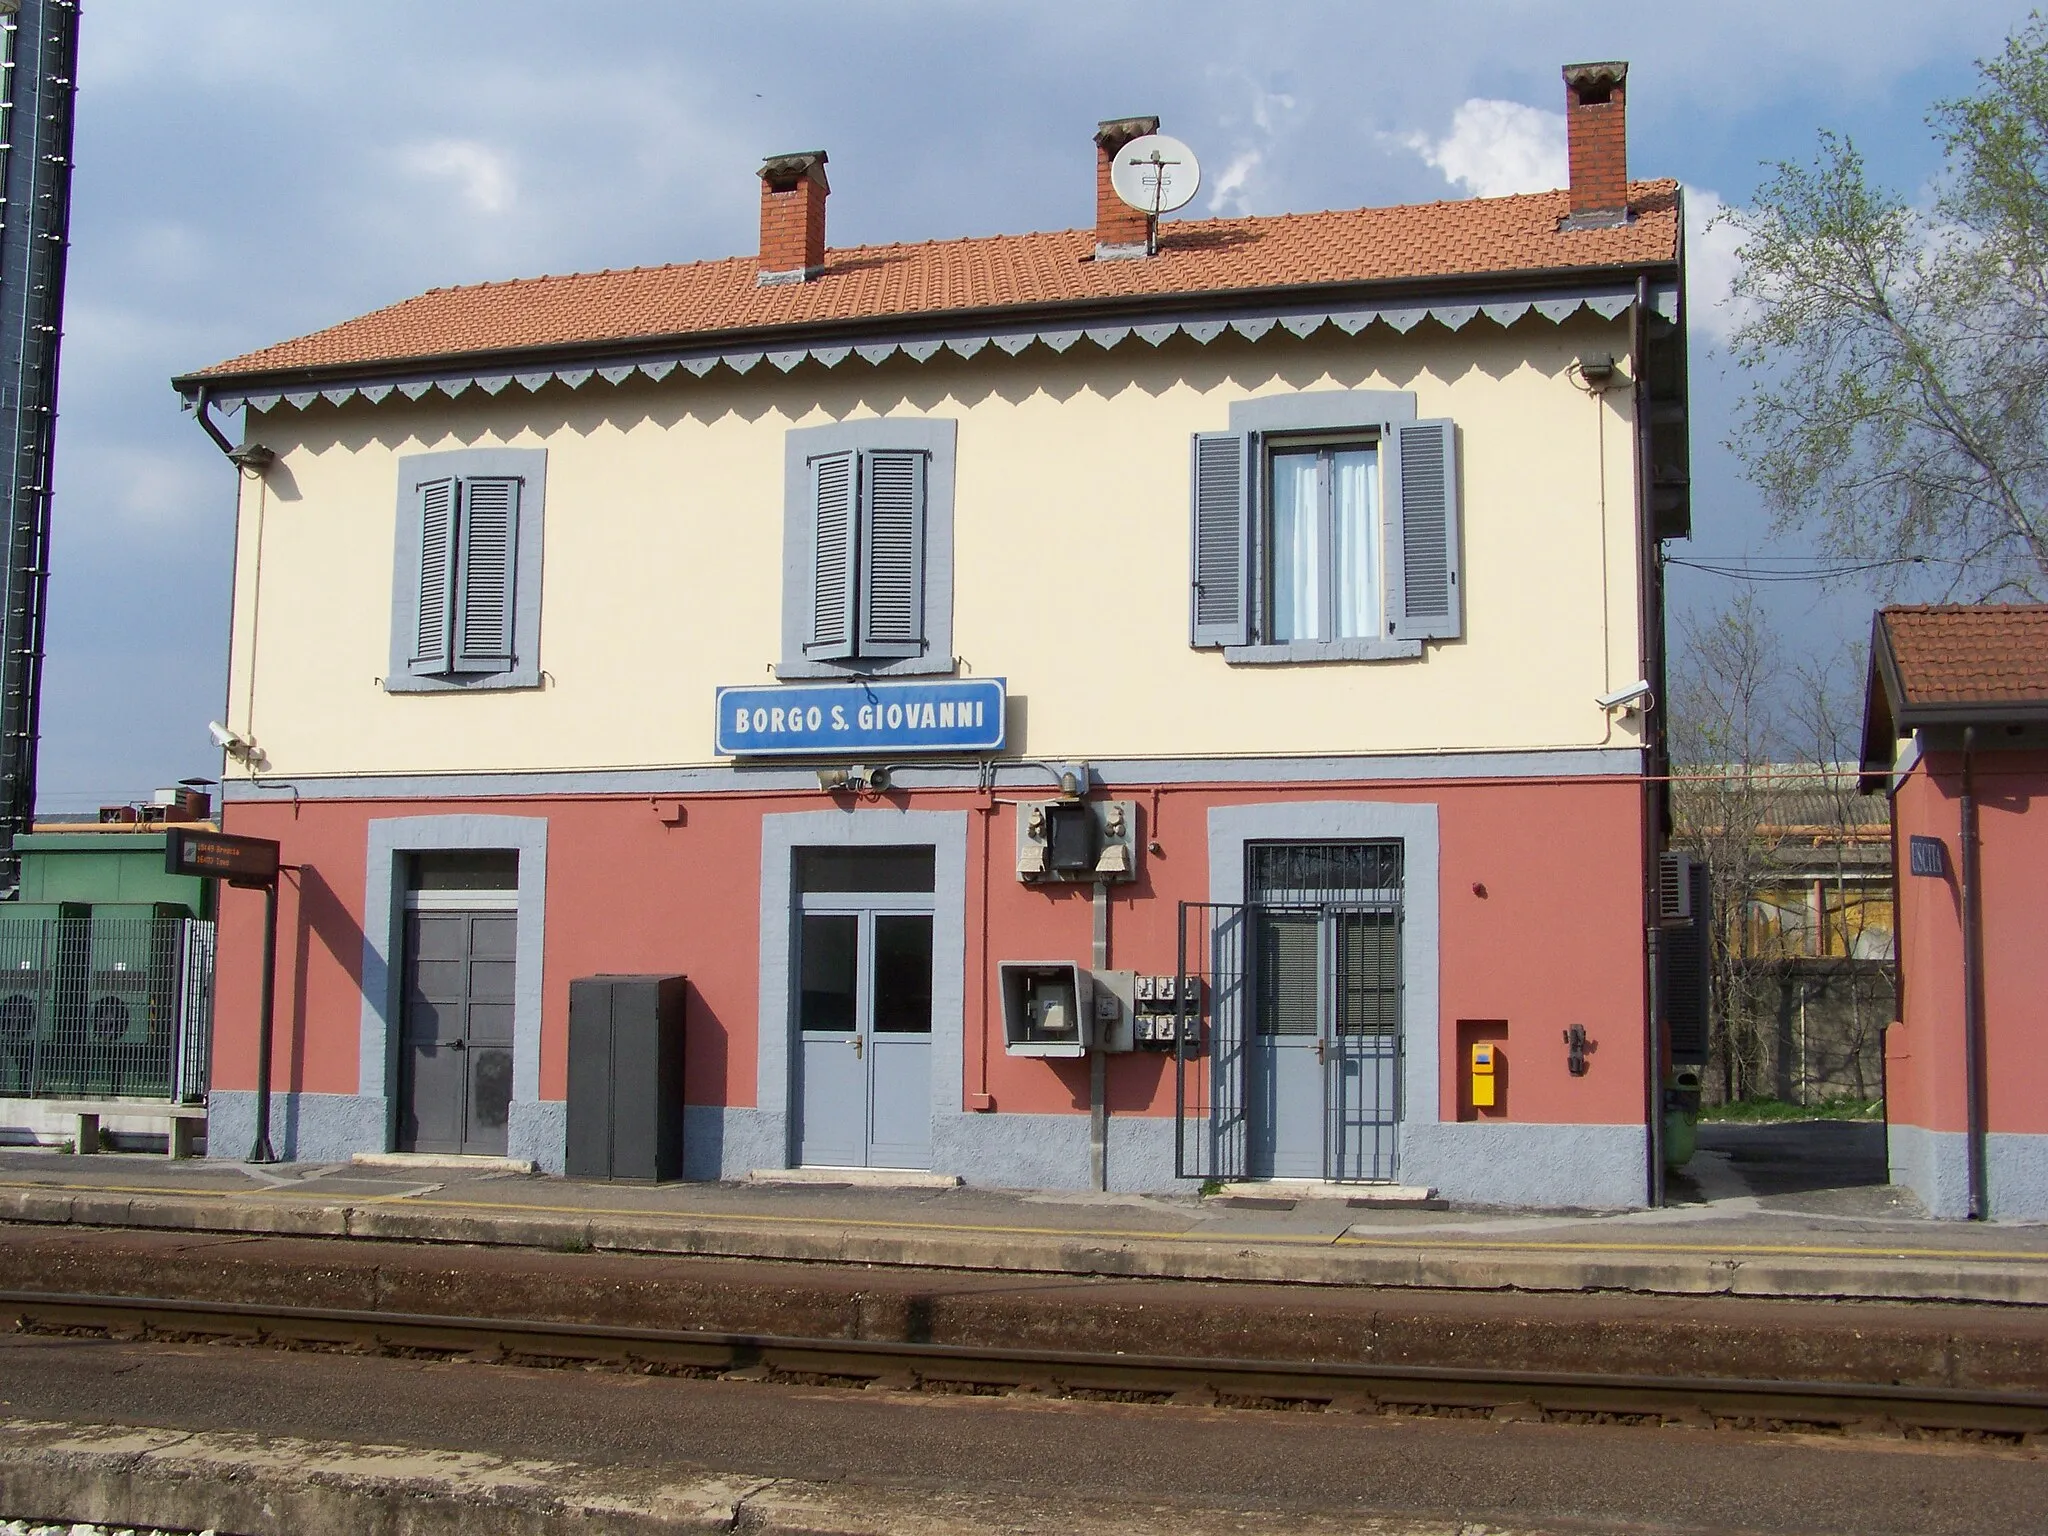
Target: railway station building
x=1103 y=708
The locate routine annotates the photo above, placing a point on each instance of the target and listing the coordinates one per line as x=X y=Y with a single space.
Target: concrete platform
x=1730 y=1236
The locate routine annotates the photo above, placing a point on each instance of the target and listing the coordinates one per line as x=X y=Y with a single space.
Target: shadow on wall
x=319 y=911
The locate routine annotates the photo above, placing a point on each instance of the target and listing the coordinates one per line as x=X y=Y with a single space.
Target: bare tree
x=1824 y=711
x=1724 y=725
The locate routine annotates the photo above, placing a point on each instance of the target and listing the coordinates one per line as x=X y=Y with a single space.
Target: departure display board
x=248 y=861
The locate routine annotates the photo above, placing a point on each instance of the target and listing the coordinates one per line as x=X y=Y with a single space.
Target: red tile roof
x=1420 y=242
x=1969 y=655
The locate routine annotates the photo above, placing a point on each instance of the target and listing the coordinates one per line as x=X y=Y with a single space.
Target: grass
x=1753 y=1111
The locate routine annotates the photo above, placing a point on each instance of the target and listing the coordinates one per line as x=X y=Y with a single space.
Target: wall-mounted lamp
x=253 y=456
x=1597 y=371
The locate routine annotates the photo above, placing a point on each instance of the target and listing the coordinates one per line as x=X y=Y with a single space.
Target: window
x=868 y=549
x=466 y=570
x=1325 y=528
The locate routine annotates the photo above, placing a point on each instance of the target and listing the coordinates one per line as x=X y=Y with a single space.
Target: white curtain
x=1296 y=562
x=1355 y=533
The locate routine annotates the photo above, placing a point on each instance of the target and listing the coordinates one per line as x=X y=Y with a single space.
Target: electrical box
x=1482 y=1075
x=1048 y=1008
x=1169 y=1008
x=1115 y=1009
x=1077 y=840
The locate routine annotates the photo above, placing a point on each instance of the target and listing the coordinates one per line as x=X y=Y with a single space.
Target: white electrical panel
x=1077 y=841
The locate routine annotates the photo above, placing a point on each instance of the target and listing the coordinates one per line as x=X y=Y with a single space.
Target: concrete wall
x=663 y=557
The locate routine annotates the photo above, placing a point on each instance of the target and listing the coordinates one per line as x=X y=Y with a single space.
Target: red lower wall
x=1540 y=911
x=1924 y=1055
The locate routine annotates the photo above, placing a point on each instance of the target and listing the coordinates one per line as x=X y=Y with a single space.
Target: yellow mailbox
x=1482 y=1075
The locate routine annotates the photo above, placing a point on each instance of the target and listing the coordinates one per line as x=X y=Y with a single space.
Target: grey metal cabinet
x=626 y=1078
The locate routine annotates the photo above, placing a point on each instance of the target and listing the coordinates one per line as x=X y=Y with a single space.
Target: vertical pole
x=1098 y=1059
x=261 y=1152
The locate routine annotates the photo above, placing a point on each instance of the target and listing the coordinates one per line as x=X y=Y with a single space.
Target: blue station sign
x=877 y=719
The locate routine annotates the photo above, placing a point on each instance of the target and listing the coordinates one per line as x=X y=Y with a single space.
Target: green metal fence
x=106 y=1009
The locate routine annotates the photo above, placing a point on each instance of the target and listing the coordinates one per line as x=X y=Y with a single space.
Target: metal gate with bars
x=110 y=1009
x=1297 y=994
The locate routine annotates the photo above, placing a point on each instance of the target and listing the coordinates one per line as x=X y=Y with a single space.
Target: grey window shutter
x=1219 y=604
x=489 y=547
x=892 y=552
x=834 y=567
x=1424 y=600
x=434 y=606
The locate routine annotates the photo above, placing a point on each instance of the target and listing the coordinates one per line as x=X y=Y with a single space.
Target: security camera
x=236 y=745
x=1635 y=696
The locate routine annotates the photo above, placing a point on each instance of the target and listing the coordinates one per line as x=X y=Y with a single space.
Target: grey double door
x=1324 y=1061
x=863 y=1094
x=455 y=1053
x=1323 y=1057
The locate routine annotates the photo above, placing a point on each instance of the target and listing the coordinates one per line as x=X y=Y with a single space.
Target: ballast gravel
x=38 y=1528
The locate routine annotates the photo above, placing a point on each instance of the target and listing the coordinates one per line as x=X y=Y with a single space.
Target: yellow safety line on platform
x=1424 y=1242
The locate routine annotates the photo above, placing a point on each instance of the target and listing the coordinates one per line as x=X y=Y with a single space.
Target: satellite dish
x=1155 y=174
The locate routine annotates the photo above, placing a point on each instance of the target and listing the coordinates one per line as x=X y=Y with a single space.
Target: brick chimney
x=1596 y=127
x=1119 y=228
x=793 y=193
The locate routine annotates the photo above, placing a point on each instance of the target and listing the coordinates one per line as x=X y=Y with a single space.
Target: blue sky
x=250 y=171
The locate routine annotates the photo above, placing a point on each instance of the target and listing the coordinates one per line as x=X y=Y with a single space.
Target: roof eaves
x=1881 y=695
x=1104 y=310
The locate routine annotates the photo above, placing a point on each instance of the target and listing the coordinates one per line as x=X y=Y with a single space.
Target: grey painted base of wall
x=1935 y=1166
x=992 y=1151
x=1593 y=1167
x=1588 y=1166
x=332 y=1127
x=539 y=1132
x=304 y=1127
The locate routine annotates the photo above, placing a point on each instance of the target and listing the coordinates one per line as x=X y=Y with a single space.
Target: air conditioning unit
x=1674 y=887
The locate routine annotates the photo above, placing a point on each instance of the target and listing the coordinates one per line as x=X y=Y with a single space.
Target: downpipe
x=1973 y=986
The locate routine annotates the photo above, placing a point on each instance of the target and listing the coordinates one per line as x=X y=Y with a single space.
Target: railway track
x=1994 y=1416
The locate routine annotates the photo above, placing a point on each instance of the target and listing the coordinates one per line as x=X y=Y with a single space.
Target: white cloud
x=481 y=175
x=1713 y=260
x=1228 y=193
x=1496 y=148
x=1240 y=188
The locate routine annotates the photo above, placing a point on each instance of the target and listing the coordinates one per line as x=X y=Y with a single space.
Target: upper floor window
x=465 y=609
x=868 y=548
x=1325 y=529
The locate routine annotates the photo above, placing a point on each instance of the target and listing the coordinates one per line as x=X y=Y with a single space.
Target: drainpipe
x=1649 y=646
x=1098 y=1059
x=1973 y=985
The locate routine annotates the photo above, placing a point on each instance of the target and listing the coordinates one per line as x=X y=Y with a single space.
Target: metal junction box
x=625 y=1078
x=1052 y=1008
x=1048 y=1008
x=1077 y=840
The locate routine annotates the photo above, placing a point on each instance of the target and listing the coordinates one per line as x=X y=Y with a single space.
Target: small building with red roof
x=1955 y=732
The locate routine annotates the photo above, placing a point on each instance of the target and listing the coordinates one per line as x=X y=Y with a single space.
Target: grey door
x=1322 y=1064
x=864 y=1025
x=455 y=1062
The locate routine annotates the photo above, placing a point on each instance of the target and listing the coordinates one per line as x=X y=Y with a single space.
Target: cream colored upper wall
x=663 y=558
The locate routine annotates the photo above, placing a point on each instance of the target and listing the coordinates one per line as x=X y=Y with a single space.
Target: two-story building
x=1263 y=621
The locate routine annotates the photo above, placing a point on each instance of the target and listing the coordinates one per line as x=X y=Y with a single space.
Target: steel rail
x=1184 y=1378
